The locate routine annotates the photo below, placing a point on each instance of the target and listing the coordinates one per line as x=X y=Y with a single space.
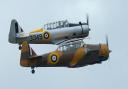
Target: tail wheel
x=32 y=71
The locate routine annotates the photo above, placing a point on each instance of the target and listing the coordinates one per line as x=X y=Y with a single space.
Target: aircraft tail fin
x=27 y=51
x=27 y=55
x=14 y=30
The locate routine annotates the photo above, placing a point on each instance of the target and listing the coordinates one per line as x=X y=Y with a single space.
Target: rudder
x=27 y=53
x=14 y=30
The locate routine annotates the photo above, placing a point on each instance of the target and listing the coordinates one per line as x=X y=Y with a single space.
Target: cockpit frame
x=70 y=46
x=55 y=25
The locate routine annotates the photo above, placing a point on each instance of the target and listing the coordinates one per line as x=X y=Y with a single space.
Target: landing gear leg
x=32 y=71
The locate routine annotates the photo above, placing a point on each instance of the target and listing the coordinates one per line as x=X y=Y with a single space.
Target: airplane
x=51 y=33
x=71 y=54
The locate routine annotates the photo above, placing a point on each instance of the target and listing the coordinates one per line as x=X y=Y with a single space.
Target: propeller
x=81 y=27
x=107 y=43
x=87 y=16
x=87 y=23
x=87 y=19
x=107 y=40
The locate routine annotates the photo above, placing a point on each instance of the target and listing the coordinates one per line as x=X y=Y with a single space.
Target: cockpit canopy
x=61 y=24
x=58 y=24
x=68 y=46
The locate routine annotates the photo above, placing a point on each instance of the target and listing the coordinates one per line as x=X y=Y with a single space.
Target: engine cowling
x=104 y=50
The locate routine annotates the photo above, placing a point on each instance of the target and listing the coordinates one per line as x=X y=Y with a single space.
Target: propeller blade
x=87 y=19
x=107 y=40
x=108 y=43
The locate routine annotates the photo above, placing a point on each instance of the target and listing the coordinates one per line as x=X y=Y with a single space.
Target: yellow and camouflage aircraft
x=51 y=33
x=70 y=54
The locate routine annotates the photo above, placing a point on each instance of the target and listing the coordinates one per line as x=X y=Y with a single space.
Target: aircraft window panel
x=75 y=46
x=68 y=47
x=54 y=25
x=61 y=48
x=50 y=26
x=71 y=46
x=65 y=23
x=78 y=45
x=65 y=48
x=61 y=23
x=46 y=26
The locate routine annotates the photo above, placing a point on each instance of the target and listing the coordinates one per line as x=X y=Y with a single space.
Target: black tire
x=33 y=71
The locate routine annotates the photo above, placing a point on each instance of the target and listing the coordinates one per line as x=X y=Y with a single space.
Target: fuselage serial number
x=36 y=37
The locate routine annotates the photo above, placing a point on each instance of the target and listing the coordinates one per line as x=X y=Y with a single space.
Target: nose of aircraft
x=104 y=51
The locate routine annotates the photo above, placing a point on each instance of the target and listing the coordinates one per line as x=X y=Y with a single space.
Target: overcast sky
x=106 y=17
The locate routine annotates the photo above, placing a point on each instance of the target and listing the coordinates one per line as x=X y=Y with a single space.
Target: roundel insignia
x=46 y=35
x=53 y=58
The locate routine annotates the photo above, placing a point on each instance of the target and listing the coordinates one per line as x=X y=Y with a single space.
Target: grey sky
x=106 y=17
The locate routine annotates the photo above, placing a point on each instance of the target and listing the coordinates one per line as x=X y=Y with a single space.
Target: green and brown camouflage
x=72 y=57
